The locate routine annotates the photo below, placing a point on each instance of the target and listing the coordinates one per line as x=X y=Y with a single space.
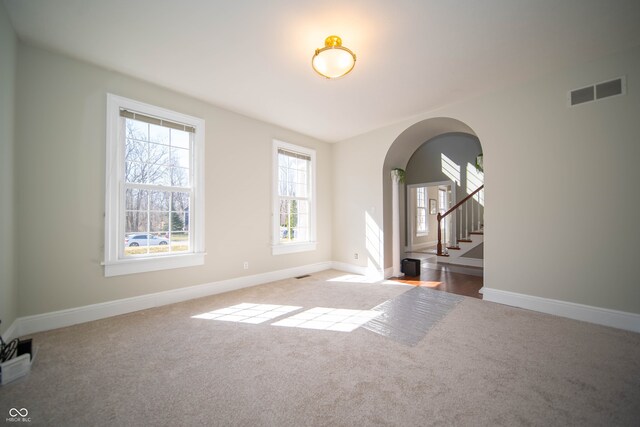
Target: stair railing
x=459 y=205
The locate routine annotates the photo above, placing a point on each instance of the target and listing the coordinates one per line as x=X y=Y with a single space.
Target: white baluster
x=472 y=221
x=466 y=219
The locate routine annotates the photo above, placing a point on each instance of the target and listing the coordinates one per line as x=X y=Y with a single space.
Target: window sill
x=144 y=265
x=289 y=248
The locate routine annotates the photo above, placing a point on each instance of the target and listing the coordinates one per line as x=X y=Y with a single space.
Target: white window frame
x=114 y=262
x=277 y=247
x=418 y=232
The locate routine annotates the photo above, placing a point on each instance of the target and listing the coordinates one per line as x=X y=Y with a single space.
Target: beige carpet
x=482 y=364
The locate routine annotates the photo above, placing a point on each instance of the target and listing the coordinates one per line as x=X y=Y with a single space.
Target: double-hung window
x=154 y=216
x=293 y=198
x=421 y=210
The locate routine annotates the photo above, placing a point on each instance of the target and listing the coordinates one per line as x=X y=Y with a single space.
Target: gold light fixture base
x=332 y=41
x=333 y=60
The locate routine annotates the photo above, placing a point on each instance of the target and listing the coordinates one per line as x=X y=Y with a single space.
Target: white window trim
x=426 y=217
x=277 y=247
x=113 y=231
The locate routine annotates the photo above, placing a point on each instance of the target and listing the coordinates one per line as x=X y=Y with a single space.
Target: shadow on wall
x=374 y=243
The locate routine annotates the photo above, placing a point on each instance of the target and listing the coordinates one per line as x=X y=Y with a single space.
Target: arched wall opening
x=398 y=156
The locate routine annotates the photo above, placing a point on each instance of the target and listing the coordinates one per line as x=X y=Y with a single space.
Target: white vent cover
x=15 y=368
x=598 y=91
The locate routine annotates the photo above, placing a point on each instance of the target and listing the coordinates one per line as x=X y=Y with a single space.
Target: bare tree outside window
x=156 y=156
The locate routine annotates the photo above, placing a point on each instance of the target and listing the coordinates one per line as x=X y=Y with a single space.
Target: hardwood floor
x=448 y=281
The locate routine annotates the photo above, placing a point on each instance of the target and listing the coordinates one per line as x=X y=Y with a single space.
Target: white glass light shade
x=333 y=60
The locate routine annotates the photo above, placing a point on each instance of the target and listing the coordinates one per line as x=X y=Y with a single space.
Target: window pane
x=159 y=201
x=294 y=220
x=179 y=157
x=180 y=138
x=301 y=184
x=134 y=172
x=158 y=154
x=135 y=221
x=179 y=242
x=421 y=219
x=137 y=130
x=158 y=223
x=179 y=177
x=177 y=221
x=284 y=212
x=180 y=211
x=303 y=207
x=180 y=201
x=136 y=200
x=303 y=215
x=420 y=197
x=136 y=244
x=159 y=134
x=285 y=220
x=301 y=234
x=136 y=151
x=303 y=165
x=156 y=174
x=293 y=181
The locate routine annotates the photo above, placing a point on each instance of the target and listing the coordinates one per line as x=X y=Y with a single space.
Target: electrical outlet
x=246 y=265
x=355 y=255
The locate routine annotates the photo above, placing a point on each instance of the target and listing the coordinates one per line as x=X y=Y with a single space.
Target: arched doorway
x=430 y=137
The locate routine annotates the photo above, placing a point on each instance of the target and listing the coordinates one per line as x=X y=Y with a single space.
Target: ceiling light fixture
x=333 y=60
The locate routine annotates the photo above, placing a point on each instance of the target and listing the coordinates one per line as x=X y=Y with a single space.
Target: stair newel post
x=439 y=247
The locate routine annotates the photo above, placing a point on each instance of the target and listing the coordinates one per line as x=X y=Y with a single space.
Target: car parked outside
x=284 y=232
x=144 y=240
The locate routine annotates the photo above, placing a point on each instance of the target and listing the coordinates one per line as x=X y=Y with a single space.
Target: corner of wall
x=8 y=280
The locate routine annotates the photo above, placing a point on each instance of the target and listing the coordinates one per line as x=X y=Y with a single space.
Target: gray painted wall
x=425 y=165
x=8 y=281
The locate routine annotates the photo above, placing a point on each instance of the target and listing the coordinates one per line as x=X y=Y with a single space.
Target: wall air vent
x=598 y=91
x=579 y=96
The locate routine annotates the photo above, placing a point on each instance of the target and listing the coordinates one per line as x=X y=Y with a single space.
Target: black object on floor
x=410 y=267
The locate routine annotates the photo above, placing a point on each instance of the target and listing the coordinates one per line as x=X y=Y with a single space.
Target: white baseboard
x=10 y=333
x=369 y=272
x=462 y=261
x=58 y=319
x=419 y=246
x=388 y=272
x=587 y=313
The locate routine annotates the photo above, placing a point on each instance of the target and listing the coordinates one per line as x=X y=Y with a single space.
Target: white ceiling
x=254 y=56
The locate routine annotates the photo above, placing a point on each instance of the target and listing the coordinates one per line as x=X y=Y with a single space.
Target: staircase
x=465 y=221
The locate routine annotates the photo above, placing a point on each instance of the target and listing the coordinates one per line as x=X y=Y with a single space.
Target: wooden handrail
x=456 y=206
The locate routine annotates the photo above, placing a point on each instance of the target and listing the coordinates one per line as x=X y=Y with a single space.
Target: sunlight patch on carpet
x=248 y=313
